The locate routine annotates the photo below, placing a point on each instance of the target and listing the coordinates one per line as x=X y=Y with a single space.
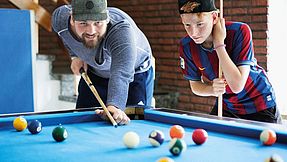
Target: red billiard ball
x=268 y=137
x=176 y=131
x=35 y=127
x=199 y=136
x=60 y=133
x=20 y=123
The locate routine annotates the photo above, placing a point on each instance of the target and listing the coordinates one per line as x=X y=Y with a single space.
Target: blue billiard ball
x=156 y=138
x=35 y=127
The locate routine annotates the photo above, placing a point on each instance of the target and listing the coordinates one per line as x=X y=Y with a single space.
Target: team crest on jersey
x=189 y=6
x=182 y=63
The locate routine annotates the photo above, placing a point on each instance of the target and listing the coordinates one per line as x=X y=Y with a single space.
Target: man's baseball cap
x=95 y=10
x=196 y=6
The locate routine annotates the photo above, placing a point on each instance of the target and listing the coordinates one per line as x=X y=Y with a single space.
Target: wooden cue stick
x=219 y=113
x=96 y=94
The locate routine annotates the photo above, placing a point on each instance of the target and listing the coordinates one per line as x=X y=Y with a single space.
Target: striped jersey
x=198 y=62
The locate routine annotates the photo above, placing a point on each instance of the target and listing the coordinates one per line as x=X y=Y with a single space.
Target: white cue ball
x=131 y=139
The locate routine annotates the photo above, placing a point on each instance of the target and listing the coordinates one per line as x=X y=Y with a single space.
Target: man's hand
x=120 y=117
x=76 y=64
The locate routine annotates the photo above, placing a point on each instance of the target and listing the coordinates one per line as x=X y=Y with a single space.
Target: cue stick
x=96 y=94
x=219 y=112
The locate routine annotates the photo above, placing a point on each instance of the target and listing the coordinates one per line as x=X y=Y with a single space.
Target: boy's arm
x=214 y=88
x=235 y=77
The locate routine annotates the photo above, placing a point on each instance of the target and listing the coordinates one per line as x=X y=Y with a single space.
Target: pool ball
x=156 y=138
x=60 y=133
x=35 y=127
x=131 y=139
x=176 y=131
x=177 y=146
x=20 y=123
x=199 y=136
x=274 y=158
x=165 y=159
x=268 y=137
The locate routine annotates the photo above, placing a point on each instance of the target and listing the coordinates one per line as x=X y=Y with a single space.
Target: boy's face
x=90 y=32
x=199 y=26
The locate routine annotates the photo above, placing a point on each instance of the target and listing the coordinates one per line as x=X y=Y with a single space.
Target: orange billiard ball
x=20 y=123
x=177 y=131
x=268 y=137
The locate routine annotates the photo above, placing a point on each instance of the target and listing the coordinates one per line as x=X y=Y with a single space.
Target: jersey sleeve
x=187 y=65
x=243 y=52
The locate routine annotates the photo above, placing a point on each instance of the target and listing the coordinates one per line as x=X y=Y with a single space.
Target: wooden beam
x=43 y=17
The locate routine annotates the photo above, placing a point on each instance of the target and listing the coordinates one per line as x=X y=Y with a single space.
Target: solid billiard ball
x=177 y=146
x=35 y=127
x=176 y=131
x=199 y=136
x=268 y=137
x=20 y=123
x=60 y=133
x=131 y=139
x=165 y=159
x=156 y=138
x=274 y=158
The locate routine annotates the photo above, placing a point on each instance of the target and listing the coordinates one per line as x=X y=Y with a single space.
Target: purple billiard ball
x=35 y=127
x=156 y=138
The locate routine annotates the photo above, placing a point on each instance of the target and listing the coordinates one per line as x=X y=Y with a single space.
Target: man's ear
x=72 y=21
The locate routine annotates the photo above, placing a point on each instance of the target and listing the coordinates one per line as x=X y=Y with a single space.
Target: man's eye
x=199 y=24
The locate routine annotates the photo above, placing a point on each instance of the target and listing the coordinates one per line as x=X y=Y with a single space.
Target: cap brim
x=93 y=17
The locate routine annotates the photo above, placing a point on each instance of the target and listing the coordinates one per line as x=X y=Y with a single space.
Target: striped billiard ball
x=156 y=138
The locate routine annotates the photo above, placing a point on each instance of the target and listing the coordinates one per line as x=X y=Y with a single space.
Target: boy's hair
x=196 y=6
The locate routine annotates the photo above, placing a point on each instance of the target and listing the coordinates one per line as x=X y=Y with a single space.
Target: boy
x=247 y=92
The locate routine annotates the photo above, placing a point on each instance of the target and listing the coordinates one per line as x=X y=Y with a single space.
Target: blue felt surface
x=16 y=92
x=99 y=141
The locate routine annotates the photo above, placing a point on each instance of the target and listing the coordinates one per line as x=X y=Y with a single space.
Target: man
x=112 y=49
x=247 y=92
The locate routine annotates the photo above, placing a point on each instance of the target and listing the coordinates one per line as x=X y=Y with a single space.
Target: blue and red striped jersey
x=198 y=62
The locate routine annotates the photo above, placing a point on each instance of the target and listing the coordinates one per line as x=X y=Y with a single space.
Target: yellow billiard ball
x=165 y=159
x=20 y=123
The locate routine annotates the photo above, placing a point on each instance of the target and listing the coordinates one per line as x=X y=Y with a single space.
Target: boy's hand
x=218 y=86
x=219 y=32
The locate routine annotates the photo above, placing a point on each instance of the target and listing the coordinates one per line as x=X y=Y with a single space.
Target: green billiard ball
x=177 y=146
x=60 y=133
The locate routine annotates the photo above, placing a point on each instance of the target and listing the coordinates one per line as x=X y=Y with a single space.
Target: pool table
x=92 y=139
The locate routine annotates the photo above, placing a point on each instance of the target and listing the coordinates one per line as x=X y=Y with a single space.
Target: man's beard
x=91 y=43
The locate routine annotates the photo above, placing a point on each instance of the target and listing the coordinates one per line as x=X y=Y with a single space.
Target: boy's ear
x=214 y=17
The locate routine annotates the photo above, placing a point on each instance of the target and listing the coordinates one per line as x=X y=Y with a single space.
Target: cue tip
x=116 y=125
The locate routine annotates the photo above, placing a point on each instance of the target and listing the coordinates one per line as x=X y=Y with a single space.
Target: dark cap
x=89 y=10
x=195 y=6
